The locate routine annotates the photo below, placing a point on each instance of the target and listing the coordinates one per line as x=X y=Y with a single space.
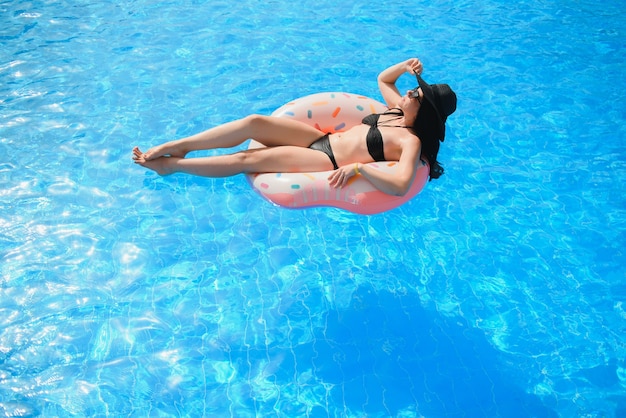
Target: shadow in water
x=396 y=357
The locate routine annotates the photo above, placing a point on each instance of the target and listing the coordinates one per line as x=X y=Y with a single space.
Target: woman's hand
x=340 y=176
x=413 y=66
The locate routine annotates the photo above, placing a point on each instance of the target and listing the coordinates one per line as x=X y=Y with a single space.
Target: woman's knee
x=255 y=121
x=246 y=160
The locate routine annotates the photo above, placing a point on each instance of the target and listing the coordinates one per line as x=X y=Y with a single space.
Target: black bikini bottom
x=323 y=144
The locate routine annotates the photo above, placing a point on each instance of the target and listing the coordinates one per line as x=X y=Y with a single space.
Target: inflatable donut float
x=329 y=113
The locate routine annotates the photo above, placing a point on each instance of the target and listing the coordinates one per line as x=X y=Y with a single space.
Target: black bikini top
x=374 y=138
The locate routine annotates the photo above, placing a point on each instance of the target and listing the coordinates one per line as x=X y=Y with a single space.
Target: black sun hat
x=442 y=100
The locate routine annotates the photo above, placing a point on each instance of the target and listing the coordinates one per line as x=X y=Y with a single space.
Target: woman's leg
x=285 y=159
x=269 y=131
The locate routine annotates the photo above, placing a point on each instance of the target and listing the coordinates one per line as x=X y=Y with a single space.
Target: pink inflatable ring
x=332 y=112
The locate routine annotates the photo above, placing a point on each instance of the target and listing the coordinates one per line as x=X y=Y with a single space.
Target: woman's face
x=411 y=101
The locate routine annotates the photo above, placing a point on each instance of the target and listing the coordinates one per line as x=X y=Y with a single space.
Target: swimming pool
x=498 y=291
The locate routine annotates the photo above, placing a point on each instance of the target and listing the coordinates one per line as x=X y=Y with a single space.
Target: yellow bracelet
x=356 y=169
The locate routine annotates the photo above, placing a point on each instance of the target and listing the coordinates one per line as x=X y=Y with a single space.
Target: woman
x=409 y=131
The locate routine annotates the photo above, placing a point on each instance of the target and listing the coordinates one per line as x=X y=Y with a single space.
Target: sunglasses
x=415 y=94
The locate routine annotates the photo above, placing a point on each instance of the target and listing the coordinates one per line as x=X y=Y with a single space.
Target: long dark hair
x=426 y=131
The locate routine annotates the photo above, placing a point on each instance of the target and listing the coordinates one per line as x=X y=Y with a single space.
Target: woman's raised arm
x=388 y=77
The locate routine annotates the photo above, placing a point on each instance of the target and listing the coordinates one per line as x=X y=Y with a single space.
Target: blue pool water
x=499 y=291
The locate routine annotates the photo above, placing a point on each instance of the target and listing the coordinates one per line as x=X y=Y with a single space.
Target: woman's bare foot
x=172 y=149
x=163 y=166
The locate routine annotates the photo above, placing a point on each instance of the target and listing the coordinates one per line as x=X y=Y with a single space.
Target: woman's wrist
x=356 y=169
